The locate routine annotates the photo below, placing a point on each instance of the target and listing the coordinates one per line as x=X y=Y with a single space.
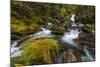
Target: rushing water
x=15 y=50
x=67 y=38
x=73 y=34
x=43 y=33
x=89 y=56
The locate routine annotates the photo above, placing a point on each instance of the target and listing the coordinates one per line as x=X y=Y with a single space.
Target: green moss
x=39 y=51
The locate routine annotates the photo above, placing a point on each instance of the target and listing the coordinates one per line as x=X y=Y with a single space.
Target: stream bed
x=67 y=40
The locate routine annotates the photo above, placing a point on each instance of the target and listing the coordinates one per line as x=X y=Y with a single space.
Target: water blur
x=67 y=38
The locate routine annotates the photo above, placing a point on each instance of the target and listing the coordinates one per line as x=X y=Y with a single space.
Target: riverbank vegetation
x=27 y=17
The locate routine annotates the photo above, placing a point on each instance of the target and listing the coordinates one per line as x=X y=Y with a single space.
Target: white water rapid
x=71 y=34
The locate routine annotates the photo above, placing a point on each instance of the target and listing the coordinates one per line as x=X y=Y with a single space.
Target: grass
x=42 y=51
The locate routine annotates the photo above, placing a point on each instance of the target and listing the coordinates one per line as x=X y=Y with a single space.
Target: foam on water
x=15 y=51
x=72 y=34
x=69 y=36
x=43 y=33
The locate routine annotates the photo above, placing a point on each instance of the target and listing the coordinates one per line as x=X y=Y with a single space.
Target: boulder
x=69 y=56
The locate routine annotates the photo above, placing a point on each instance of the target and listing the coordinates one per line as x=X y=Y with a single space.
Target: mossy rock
x=42 y=51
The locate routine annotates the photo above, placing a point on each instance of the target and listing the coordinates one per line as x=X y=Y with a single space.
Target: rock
x=69 y=56
x=87 y=39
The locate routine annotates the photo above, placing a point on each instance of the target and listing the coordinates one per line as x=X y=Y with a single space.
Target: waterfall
x=73 y=18
x=69 y=36
x=72 y=34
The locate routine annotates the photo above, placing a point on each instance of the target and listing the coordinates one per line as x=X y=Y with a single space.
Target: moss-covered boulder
x=41 y=51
